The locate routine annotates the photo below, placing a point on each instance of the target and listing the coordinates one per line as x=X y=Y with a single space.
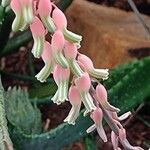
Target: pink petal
x=83 y=83
x=58 y=41
x=15 y=6
x=47 y=52
x=74 y=96
x=45 y=7
x=70 y=50
x=101 y=92
x=25 y=2
x=59 y=19
x=85 y=62
x=97 y=115
x=60 y=74
x=37 y=27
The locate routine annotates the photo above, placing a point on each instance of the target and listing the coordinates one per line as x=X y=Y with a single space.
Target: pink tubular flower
x=75 y=100
x=61 y=77
x=18 y=22
x=48 y=60
x=101 y=94
x=87 y=64
x=27 y=10
x=83 y=84
x=124 y=141
x=70 y=52
x=38 y=36
x=44 y=10
x=97 y=116
x=58 y=42
x=114 y=140
x=61 y=24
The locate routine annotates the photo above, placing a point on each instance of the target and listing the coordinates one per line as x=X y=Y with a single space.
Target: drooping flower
x=70 y=52
x=27 y=10
x=125 y=143
x=38 y=36
x=101 y=94
x=61 y=24
x=97 y=116
x=87 y=64
x=75 y=100
x=61 y=76
x=49 y=63
x=83 y=84
x=58 y=43
x=18 y=23
x=44 y=10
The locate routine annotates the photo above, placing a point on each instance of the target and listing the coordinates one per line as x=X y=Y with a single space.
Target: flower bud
x=101 y=94
x=18 y=22
x=48 y=60
x=97 y=116
x=61 y=77
x=58 y=42
x=87 y=64
x=38 y=36
x=75 y=100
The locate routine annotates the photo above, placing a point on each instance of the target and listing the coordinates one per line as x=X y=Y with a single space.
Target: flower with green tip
x=44 y=10
x=38 y=36
x=75 y=100
x=61 y=24
x=87 y=64
x=101 y=94
x=27 y=10
x=70 y=52
x=58 y=43
x=61 y=76
x=18 y=23
x=49 y=63
x=83 y=84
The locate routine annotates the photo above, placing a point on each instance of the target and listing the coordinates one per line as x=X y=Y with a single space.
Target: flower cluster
x=62 y=59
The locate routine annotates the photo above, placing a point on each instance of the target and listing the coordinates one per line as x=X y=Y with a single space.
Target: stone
x=110 y=36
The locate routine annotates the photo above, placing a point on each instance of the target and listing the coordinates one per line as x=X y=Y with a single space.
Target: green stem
x=22 y=77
